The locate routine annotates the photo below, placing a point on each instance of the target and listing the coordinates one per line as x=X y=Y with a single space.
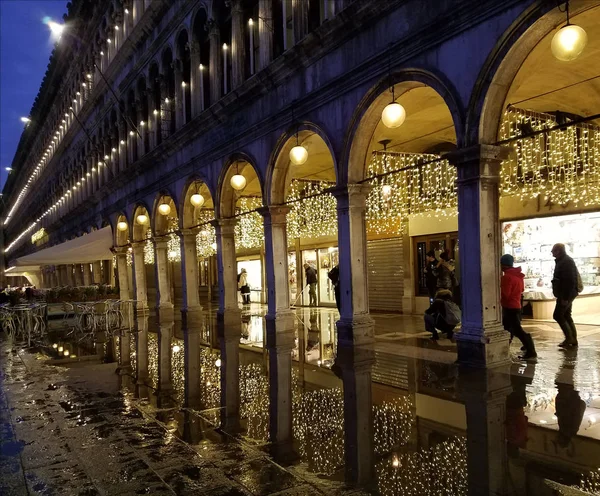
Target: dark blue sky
x=25 y=47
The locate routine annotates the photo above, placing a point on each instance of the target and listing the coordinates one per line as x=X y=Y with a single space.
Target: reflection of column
x=192 y=338
x=97 y=272
x=238 y=54
x=121 y=254
x=355 y=325
x=165 y=385
x=229 y=338
x=139 y=277
x=300 y=19
x=87 y=274
x=124 y=353
x=280 y=324
x=227 y=266
x=189 y=275
x=482 y=340
x=265 y=32
x=484 y=394
x=355 y=364
x=142 y=354
x=163 y=290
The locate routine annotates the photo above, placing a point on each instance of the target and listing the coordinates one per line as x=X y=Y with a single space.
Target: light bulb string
x=553 y=91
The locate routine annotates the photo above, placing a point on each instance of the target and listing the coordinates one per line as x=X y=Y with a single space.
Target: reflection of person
x=430 y=275
x=443 y=314
x=565 y=286
x=243 y=286
x=311 y=280
x=516 y=401
x=313 y=331
x=334 y=277
x=512 y=286
x=570 y=408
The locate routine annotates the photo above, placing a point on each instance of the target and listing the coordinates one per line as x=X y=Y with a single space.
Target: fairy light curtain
x=173 y=241
x=408 y=183
x=312 y=210
x=561 y=165
x=149 y=248
x=249 y=232
x=206 y=239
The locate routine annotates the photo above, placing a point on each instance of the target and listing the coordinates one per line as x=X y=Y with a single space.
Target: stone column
x=179 y=103
x=355 y=325
x=61 y=271
x=121 y=254
x=300 y=19
x=87 y=274
x=192 y=338
x=78 y=276
x=265 y=32
x=139 y=277
x=355 y=356
x=482 y=341
x=216 y=63
x=280 y=326
x=164 y=305
x=189 y=276
x=228 y=323
x=97 y=272
x=142 y=356
x=484 y=393
x=238 y=54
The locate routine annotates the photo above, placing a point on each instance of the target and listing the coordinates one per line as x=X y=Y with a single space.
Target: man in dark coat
x=311 y=280
x=565 y=286
x=431 y=275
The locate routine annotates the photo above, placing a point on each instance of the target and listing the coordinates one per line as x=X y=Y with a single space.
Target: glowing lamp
x=66 y=353
x=176 y=348
x=197 y=200
x=238 y=182
x=298 y=155
x=142 y=219
x=218 y=362
x=164 y=209
x=122 y=226
x=386 y=191
x=393 y=115
x=569 y=42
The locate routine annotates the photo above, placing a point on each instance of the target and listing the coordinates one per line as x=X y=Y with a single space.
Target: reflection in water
x=133 y=353
x=153 y=360
x=178 y=371
x=435 y=471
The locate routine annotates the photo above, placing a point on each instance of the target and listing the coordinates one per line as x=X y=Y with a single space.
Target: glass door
x=308 y=257
x=328 y=258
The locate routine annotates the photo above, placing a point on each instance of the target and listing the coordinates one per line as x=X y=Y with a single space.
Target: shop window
x=438 y=243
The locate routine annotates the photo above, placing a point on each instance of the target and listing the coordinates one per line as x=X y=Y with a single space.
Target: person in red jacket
x=512 y=287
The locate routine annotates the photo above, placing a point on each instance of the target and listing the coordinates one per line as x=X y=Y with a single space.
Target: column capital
x=354 y=193
x=277 y=214
x=160 y=242
x=119 y=250
x=189 y=232
x=478 y=161
x=226 y=225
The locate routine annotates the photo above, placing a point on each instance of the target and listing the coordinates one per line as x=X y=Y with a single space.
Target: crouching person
x=442 y=315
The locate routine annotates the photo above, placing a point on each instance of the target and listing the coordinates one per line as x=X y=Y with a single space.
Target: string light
x=149 y=248
x=313 y=213
x=249 y=232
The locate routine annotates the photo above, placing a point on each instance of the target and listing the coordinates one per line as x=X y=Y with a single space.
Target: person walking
x=431 y=275
x=512 y=286
x=311 y=281
x=566 y=285
x=244 y=287
x=443 y=314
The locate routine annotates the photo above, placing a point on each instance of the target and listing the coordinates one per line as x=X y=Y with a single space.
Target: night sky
x=25 y=47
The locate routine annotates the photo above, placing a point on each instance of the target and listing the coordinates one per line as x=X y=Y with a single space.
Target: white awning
x=88 y=248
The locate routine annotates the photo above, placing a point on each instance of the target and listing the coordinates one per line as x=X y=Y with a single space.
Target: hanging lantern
x=393 y=115
x=142 y=219
x=569 y=42
x=164 y=208
x=122 y=226
x=197 y=200
x=238 y=182
x=298 y=155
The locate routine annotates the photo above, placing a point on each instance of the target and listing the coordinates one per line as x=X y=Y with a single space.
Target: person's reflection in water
x=570 y=408
x=516 y=401
x=313 y=331
x=246 y=326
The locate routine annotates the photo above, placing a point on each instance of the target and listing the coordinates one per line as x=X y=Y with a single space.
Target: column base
x=164 y=398
x=191 y=317
x=165 y=312
x=360 y=330
x=124 y=370
x=483 y=349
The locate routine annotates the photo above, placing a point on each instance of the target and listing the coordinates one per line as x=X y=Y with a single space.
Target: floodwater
x=161 y=407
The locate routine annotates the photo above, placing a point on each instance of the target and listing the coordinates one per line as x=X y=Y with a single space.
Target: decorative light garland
x=311 y=216
x=174 y=242
x=560 y=166
x=206 y=239
x=149 y=248
x=413 y=189
x=249 y=231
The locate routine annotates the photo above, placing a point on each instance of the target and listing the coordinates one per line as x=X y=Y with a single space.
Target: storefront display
x=322 y=260
x=254 y=270
x=530 y=242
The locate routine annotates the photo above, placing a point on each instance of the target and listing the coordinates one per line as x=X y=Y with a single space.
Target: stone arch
x=138 y=230
x=189 y=213
x=495 y=79
x=368 y=115
x=121 y=238
x=227 y=197
x=279 y=171
x=160 y=224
